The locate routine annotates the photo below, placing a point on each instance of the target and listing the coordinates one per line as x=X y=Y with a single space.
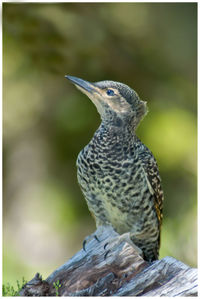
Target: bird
x=117 y=173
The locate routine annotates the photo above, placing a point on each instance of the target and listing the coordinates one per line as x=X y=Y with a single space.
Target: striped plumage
x=117 y=173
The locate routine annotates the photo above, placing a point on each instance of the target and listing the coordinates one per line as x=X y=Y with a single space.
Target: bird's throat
x=115 y=135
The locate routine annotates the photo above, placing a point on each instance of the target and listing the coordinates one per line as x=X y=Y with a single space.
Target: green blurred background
x=46 y=122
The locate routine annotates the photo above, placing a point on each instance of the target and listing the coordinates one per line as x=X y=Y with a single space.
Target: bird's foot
x=103 y=232
x=117 y=241
x=88 y=239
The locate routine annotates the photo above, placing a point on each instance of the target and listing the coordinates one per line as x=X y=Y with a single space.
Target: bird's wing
x=154 y=182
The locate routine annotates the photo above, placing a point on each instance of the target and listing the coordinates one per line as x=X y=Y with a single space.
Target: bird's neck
x=120 y=133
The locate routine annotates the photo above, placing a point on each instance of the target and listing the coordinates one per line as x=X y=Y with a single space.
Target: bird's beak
x=82 y=84
x=89 y=89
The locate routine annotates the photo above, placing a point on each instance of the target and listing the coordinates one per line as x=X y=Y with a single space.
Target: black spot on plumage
x=126 y=165
x=118 y=122
x=95 y=165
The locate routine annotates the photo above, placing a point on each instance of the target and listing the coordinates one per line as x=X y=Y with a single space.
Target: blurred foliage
x=9 y=291
x=46 y=122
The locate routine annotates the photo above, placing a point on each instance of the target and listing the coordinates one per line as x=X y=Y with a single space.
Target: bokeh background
x=46 y=122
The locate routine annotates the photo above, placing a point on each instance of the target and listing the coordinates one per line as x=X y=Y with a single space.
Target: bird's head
x=116 y=102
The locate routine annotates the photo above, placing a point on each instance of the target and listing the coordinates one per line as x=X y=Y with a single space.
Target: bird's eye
x=110 y=92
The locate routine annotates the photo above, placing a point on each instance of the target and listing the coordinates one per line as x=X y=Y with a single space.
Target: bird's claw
x=106 y=254
x=89 y=238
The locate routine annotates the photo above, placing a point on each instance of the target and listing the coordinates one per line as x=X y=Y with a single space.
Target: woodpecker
x=117 y=173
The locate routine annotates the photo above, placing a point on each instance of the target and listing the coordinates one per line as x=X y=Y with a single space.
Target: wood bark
x=111 y=265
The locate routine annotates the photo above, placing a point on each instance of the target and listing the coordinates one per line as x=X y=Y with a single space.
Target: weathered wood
x=111 y=265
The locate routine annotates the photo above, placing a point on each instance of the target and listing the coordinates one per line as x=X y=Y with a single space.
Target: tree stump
x=111 y=265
